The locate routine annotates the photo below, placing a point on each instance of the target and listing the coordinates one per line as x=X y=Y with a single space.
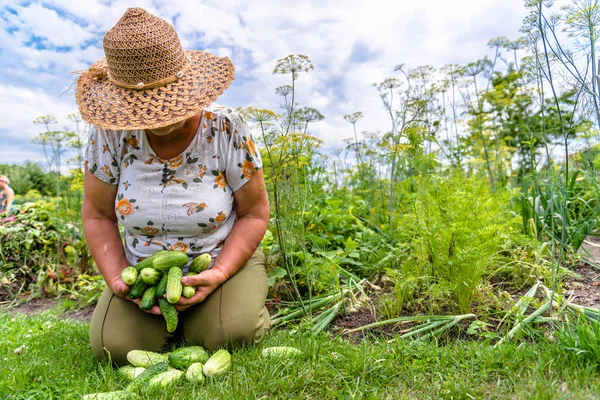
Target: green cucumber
x=161 y=288
x=148 y=298
x=200 y=263
x=166 y=261
x=194 y=372
x=116 y=395
x=174 y=285
x=185 y=356
x=129 y=275
x=165 y=379
x=150 y=275
x=217 y=364
x=169 y=314
x=138 y=289
x=138 y=384
x=188 y=291
x=147 y=262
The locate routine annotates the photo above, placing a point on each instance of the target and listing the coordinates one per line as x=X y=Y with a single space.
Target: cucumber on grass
x=116 y=395
x=138 y=384
x=217 y=364
x=185 y=356
x=145 y=359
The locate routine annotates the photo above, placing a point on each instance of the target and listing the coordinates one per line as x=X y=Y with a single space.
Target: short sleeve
x=243 y=156
x=101 y=156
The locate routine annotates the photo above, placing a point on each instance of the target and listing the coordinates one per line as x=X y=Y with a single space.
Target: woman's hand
x=121 y=289
x=206 y=282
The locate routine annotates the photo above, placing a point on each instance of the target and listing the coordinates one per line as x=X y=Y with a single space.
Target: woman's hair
x=4 y=178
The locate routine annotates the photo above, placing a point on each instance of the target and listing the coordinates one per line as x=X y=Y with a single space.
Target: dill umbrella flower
x=309 y=115
x=293 y=64
x=354 y=117
x=284 y=90
x=260 y=115
x=477 y=67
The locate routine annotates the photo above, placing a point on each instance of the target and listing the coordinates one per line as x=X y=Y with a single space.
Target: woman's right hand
x=121 y=289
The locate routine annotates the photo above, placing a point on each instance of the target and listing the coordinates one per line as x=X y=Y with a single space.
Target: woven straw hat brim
x=109 y=106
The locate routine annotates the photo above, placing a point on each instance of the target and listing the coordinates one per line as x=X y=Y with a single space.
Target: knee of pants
x=115 y=346
x=119 y=326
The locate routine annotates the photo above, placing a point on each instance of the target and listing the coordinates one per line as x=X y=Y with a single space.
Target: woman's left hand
x=206 y=282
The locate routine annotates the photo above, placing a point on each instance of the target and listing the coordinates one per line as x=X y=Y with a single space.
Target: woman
x=7 y=195
x=178 y=173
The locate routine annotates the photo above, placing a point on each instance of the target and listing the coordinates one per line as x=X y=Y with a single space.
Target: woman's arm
x=252 y=208
x=10 y=197
x=101 y=229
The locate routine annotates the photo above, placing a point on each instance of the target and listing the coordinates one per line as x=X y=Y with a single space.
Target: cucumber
x=169 y=314
x=138 y=289
x=165 y=261
x=174 y=285
x=194 y=372
x=186 y=356
x=130 y=372
x=129 y=275
x=116 y=395
x=145 y=359
x=218 y=363
x=150 y=275
x=165 y=379
x=138 y=384
x=188 y=291
x=147 y=262
x=161 y=288
x=148 y=298
x=200 y=263
x=280 y=352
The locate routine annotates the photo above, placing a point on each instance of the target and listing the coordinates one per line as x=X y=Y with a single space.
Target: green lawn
x=55 y=361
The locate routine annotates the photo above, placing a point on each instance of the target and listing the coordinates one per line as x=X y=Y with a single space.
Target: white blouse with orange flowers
x=184 y=203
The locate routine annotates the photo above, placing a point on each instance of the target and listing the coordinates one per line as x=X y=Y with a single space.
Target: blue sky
x=352 y=43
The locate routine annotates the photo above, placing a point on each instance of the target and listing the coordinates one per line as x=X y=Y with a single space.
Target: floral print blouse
x=185 y=203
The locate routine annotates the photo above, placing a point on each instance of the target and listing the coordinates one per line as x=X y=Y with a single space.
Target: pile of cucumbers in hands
x=161 y=274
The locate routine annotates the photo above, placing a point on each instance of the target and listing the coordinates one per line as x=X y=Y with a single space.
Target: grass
x=56 y=362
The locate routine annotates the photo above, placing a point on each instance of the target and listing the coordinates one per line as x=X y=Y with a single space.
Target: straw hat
x=147 y=80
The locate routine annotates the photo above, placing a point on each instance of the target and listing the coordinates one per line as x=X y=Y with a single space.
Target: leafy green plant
x=457 y=232
x=28 y=256
x=582 y=336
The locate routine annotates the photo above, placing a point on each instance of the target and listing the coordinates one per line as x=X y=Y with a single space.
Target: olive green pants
x=233 y=315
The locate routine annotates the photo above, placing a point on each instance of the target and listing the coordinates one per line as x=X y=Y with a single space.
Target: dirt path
x=35 y=306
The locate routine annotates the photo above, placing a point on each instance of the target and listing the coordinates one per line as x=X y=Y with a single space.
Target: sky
x=352 y=44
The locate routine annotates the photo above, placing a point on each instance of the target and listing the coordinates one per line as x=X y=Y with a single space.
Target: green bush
x=37 y=253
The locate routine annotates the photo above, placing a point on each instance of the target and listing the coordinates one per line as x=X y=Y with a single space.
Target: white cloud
x=20 y=106
x=46 y=24
x=352 y=44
